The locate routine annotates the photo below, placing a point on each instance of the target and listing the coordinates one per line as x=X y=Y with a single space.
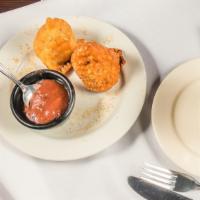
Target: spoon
x=27 y=90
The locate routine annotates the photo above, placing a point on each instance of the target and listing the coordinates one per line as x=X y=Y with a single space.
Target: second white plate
x=176 y=116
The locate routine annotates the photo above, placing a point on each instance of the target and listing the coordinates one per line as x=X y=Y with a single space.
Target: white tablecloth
x=166 y=34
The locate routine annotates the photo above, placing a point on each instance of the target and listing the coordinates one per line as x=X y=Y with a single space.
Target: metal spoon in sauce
x=27 y=90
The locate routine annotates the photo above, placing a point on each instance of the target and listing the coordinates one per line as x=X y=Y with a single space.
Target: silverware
x=169 y=179
x=152 y=192
x=27 y=90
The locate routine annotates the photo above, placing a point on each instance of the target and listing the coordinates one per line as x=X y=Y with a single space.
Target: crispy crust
x=54 y=44
x=97 y=66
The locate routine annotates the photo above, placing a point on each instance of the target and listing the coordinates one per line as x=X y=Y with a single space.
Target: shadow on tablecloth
x=4 y=194
x=153 y=81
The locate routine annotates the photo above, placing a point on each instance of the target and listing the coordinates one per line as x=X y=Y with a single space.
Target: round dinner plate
x=98 y=119
x=176 y=116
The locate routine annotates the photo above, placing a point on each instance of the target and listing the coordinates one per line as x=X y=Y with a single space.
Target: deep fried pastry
x=54 y=44
x=97 y=66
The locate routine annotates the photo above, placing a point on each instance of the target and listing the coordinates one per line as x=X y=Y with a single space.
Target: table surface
x=166 y=33
x=12 y=4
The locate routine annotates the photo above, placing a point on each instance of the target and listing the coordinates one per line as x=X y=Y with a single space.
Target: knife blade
x=153 y=192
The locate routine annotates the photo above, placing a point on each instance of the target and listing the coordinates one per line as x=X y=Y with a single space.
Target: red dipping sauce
x=48 y=102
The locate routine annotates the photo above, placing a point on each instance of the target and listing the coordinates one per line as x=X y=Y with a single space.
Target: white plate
x=98 y=120
x=176 y=116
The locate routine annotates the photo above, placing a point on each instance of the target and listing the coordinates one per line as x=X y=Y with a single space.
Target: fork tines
x=159 y=176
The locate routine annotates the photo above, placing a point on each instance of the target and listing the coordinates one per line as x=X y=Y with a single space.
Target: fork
x=169 y=179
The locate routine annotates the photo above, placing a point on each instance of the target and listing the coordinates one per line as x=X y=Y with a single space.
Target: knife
x=153 y=192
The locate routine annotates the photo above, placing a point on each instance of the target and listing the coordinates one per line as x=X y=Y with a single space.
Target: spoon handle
x=4 y=70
